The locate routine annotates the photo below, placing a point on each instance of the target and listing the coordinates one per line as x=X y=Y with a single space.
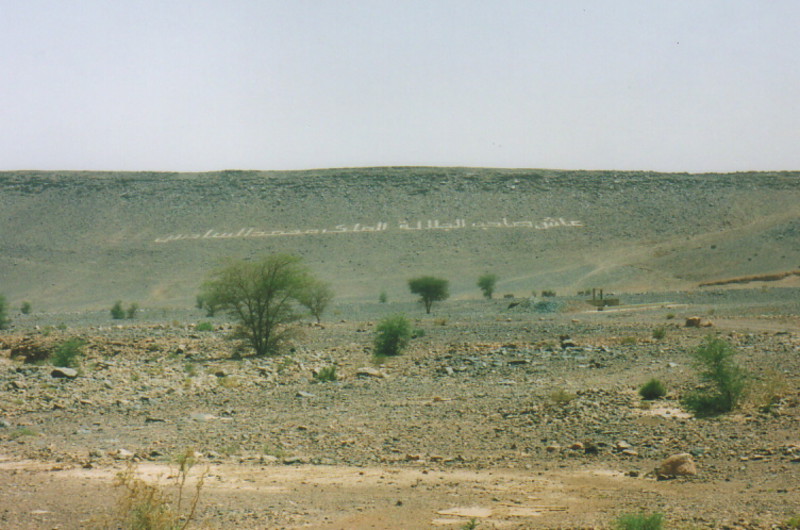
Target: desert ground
x=495 y=417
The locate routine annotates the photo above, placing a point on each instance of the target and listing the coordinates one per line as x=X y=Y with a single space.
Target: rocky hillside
x=80 y=240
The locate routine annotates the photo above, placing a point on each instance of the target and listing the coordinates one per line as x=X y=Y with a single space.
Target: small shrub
x=793 y=522
x=659 y=333
x=561 y=397
x=25 y=308
x=117 y=313
x=326 y=374
x=653 y=389
x=640 y=521
x=131 y=312
x=724 y=382
x=440 y=321
x=382 y=298
x=417 y=333
x=670 y=316
x=4 y=322
x=204 y=326
x=149 y=506
x=68 y=353
x=629 y=341
x=392 y=335
x=546 y=306
x=548 y=293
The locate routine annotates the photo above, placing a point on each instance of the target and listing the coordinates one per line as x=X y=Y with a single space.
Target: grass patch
x=326 y=374
x=204 y=326
x=561 y=397
x=20 y=432
x=144 y=506
x=639 y=521
x=659 y=333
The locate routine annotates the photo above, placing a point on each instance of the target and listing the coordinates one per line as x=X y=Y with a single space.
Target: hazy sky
x=198 y=85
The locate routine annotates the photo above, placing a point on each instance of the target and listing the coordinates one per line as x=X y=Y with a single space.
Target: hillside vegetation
x=80 y=240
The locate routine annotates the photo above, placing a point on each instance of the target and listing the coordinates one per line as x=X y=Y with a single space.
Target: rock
x=367 y=371
x=64 y=373
x=677 y=465
x=122 y=454
x=304 y=394
x=290 y=460
x=697 y=322
x=577 y=446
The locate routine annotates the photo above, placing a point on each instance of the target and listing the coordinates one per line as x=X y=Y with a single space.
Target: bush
x=724 y=382
x=131 y=312
x=262 y=295
x=204 y=326
x=486 y=283
x=429 y=289
x=315 y=297
x=640 y=521
x=25 y=308
x=548 y=294
x=326 y=374
x=68 y=352
x=653 y=389
x=382 y=298
x=659 y=333
x=392 y=335
x=4 y=322
x=117 y=313
x=150 y=506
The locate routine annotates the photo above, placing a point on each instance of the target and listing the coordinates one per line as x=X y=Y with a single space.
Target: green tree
x=724 y=380
x=4 y=322
x=392 y=335
x=117 y=313
x=429 y=289
x=262 y=296
x=316 y=297
x=486 y=282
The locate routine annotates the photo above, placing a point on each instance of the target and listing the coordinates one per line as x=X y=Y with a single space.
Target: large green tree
x=429 y=289
x=263 y=297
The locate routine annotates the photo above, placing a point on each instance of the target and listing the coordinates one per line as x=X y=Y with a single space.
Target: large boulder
x=678 y=465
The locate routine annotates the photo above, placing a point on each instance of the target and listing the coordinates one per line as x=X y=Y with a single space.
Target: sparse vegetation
x=68 y=353
x=25 y=308
x=131 y=312
x=659 y=333
x=326 y=374
x=262 y=296
x=383 y=298
x=653 y=389
x=4 y=322
x=204 y=326
x=486 y=283
x=561 y=397
x=548 y=293
x=117 y=313
x=429 y=289
x=315 y=297
x=392 y=335
x=143 y=506
x=724 y=382
x=670 y=316
x=640 y=521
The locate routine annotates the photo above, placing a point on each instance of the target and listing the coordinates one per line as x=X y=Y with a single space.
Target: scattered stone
x=64 y=373
x=304 y=394
x=677 y=465
x=367 y=371
x=122 y=454
x=290 y=460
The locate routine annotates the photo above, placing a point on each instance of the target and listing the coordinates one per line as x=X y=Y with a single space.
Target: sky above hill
x=200 y=85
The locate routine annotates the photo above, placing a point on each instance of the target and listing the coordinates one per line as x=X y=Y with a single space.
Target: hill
x=80 y=240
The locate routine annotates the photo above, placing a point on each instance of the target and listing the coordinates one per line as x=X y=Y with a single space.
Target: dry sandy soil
x=480 y=420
